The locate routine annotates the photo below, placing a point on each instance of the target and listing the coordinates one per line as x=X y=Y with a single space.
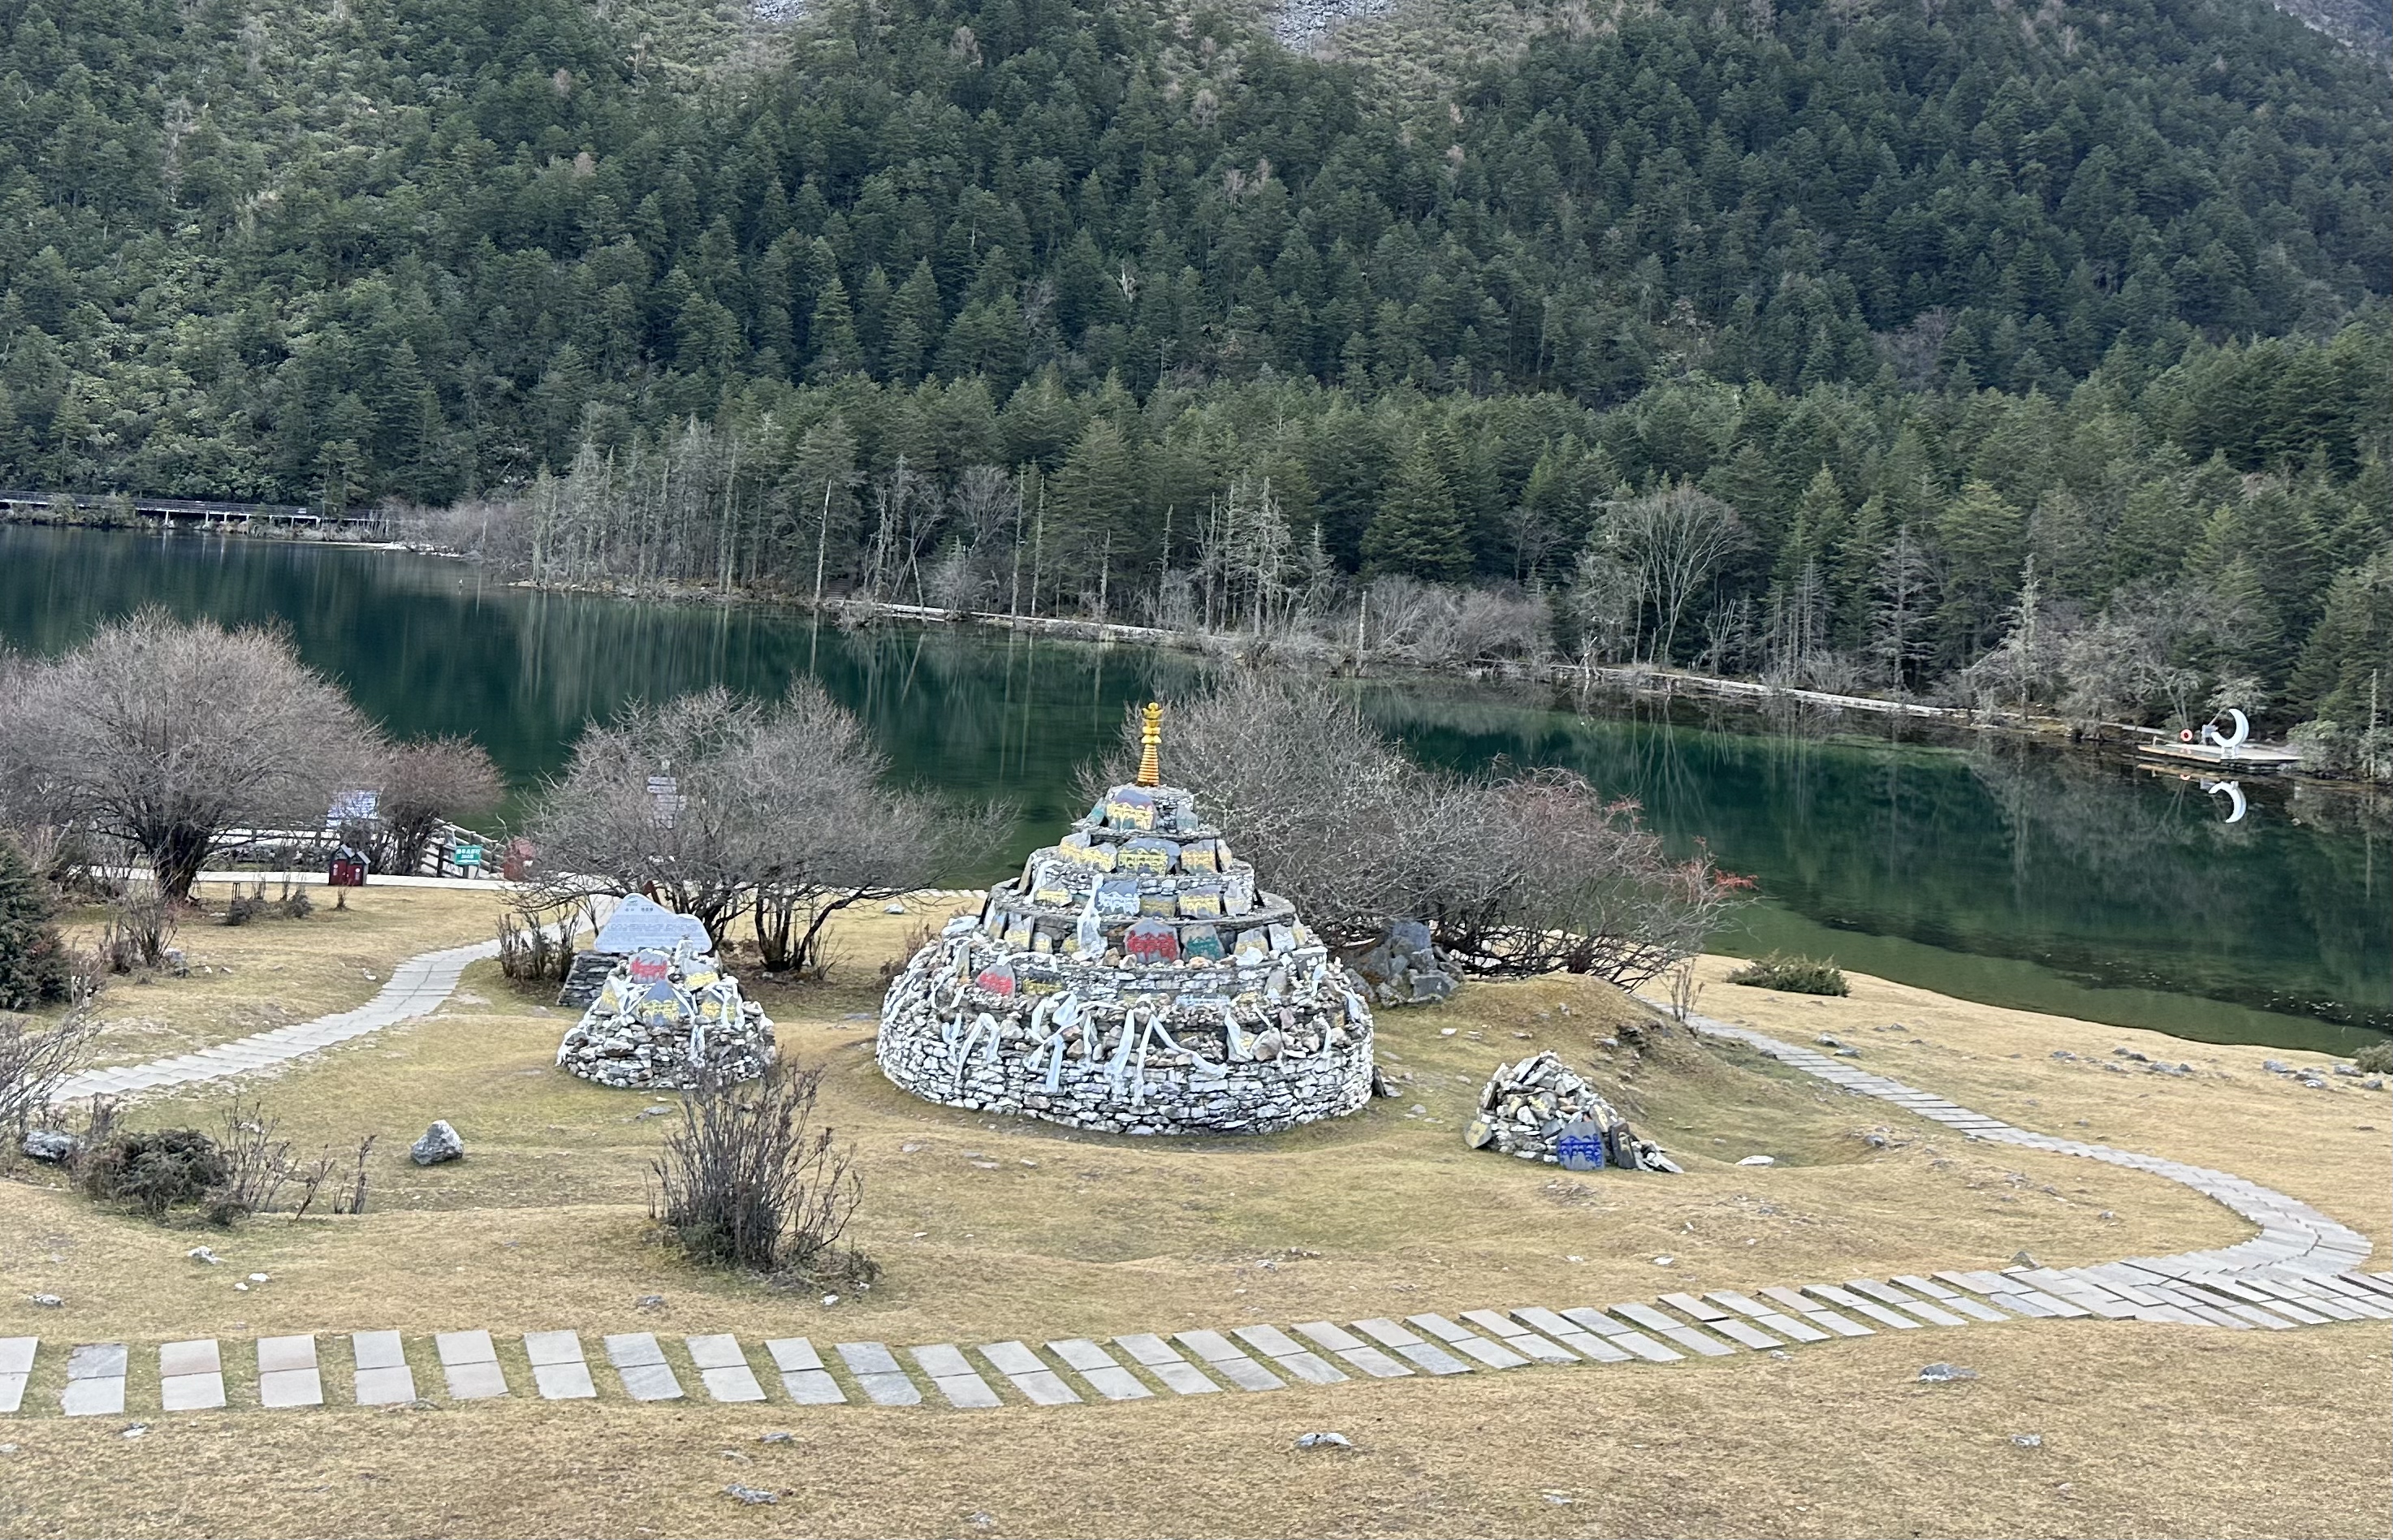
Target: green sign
x=465 y=856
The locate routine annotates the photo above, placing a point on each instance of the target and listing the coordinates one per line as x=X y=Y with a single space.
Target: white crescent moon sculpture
x=2227 y=743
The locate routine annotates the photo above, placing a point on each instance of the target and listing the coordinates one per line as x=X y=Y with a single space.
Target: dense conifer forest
x=1927 y=345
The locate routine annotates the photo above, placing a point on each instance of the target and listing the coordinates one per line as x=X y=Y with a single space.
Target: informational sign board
x=643 y=924
x=465 y=856
x=1581 y=1146
x=664 y=793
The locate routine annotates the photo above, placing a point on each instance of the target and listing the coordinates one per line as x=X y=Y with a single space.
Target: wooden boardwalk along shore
x=35 y=507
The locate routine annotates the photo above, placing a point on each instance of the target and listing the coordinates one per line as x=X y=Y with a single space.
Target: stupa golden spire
x=1150 y=762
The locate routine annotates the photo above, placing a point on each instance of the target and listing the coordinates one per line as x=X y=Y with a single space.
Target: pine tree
x=1416 y=533
x=831 y=335
x=32 y=959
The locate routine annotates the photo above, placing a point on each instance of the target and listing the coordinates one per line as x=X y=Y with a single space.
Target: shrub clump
x=155 y=1170
x=1795 y=975
x=2375 y=1059
x=748 y=1181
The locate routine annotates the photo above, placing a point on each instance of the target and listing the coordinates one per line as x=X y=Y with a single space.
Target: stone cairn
x=1133 y=979
x=1539 y=1109
x=662 y=1020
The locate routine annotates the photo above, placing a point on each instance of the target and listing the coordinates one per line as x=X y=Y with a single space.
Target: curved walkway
x=2293 y=1237
x=418 y=987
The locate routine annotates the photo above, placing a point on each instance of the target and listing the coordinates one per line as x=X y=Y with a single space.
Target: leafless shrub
x=1559 y=878
x=165 y=734
x=748 y=1181
x=256 y=1164
x=33 y=1059
x=354 y=1200
x=536 y=943
x=139 y=930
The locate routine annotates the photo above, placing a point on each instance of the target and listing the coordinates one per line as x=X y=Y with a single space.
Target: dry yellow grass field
x=273 y=971
x=994 y=1229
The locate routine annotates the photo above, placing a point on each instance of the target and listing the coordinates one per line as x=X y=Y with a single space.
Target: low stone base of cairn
x=1541 y=1109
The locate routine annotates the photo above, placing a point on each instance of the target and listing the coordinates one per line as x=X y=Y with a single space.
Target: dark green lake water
x=2003 y=872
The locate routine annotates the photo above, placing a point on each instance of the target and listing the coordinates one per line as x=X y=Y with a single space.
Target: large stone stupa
x=1132 y=979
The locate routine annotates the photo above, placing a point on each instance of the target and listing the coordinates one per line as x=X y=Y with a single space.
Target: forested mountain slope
x=422 y=248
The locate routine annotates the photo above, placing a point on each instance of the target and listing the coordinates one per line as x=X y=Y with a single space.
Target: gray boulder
x=1404 y=967
x=52 y=1145
x=439 y=1143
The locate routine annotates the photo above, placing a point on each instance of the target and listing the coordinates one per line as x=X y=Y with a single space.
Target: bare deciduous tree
x=781 y=814
x=426 y=784
x=1674 y=540
x=1515 y=875
x=166 y=735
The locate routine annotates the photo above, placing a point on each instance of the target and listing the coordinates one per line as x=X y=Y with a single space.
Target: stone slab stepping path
x=804 y=1378
x=877 y=1376
x=15 y=1368
x=416 y=987
x=1353 y=1349
x=1474 y=1346
x=953 y=1376
x=1155 y=1355
x=287 y=1373
x=383 y=1379
x=723 y=1368
x=1409 y=1347
x=559 y=1370
x=1517 y=1337
x=640 y=1364
x=95 y=1380
x=1105 y=1374
x=1029 y=1373
x=1293 y=1358
x=469 y=1361
x=1219 y=1354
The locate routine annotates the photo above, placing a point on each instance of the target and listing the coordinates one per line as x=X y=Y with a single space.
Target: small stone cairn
x=1525 y=1107
x=1133 y=979
x=662 y=1020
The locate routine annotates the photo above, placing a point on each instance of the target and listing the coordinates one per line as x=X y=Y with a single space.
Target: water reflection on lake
x=1992 y=870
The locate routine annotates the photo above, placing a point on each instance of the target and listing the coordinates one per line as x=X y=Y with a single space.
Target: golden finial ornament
x=1150 y=737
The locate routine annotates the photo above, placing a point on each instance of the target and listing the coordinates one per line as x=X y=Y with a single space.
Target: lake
x=2013 y=873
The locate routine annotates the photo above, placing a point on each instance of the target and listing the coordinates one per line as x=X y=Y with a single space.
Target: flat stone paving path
x=416 y=987
x=2302 y=1270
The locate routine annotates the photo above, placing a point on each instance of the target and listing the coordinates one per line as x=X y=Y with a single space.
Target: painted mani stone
x=1201 y=855
x=1252 y=945
x=1152 y=941
x=998 y=979
x=1201 y=900
x=1047 y=889
x=1117 y=897
x=1199 y=941
x=1129 y=807
x=1146 y=854
x=1159 y=902
x=1080 y=848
